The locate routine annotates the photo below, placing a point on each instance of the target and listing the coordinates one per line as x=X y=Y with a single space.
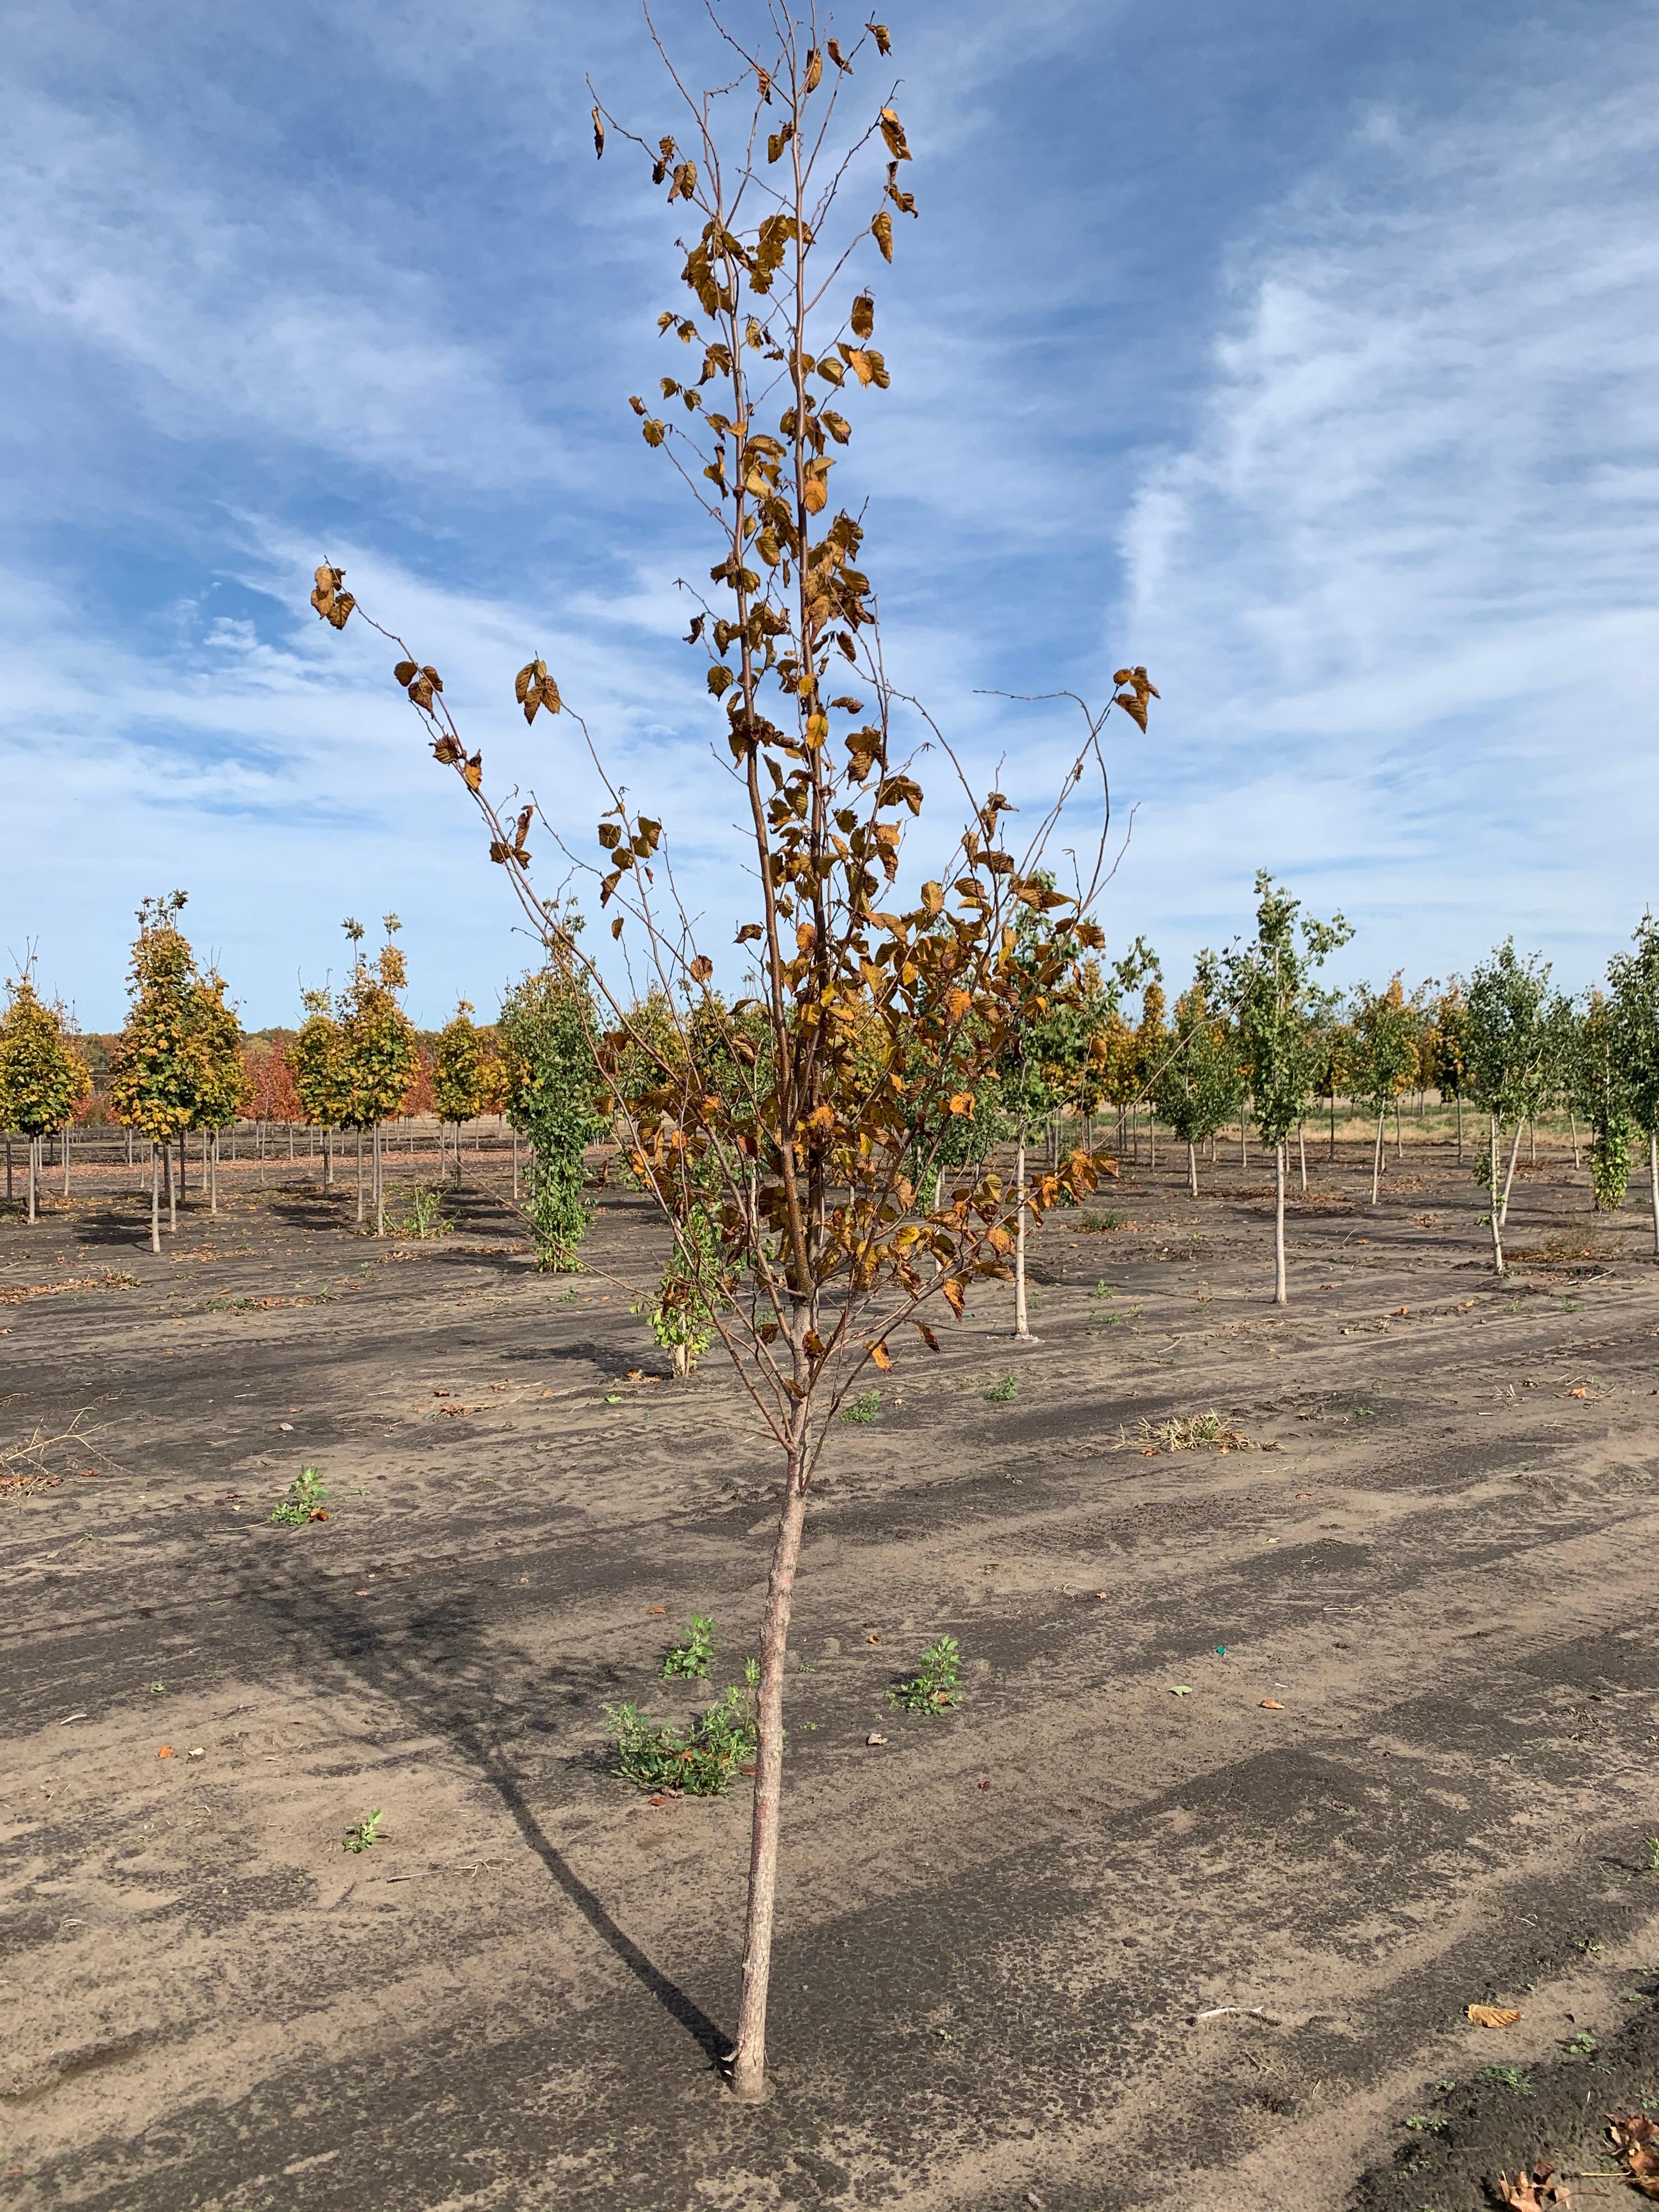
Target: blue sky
x=1307 y=355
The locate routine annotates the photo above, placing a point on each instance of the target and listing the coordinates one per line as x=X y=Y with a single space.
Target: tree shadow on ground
x=488 y=1697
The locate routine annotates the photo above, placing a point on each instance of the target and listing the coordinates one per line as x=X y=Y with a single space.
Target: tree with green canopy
x=1200 y=1086
x=1507 y=1045
x=553 y=1100
x=1268 y=984
x=222 y=1083
x=1593 y=1072
x=1634 y=980
x=380 y=1055
x=458 y=1075
x=1383 y=1027
x=43 y=1078
x=322 y=1078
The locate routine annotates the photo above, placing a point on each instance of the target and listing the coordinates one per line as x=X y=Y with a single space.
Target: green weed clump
x=689 y=1661
x=865 y=1407
x=701 y=1761
x=362 y=1834
x=304 y=1501
x=425 y=1217
x=934 y=1689
x=1000 y=1394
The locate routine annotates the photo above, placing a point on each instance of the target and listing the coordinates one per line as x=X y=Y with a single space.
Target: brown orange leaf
x=882 y=1356
x=881 y=229
x=1272 y=1705
x=1534 y=2191
x=1486 y=2016
x=165 y=1752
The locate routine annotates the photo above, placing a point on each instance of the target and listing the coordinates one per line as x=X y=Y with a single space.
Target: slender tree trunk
x=1398 y=1133
x=1376 y=1155
x=213 y=1170
x=1573 y=1120
x=1532 y=1142
x=1192 y=1169
x=515 y=1166
x=1332 y=1152
x=34 y=1154
x=380 y=1185
x=1509 y=1180
x=290 y=1144
x=1302 y=1154
x=359 y=1175
x=1152 y=1137
x=748 y=2054
x=1021 y=1325
x=938 y=1189
x=66 y=1151
x=173 y=1187
x=8 y=1171
x=1243 y=1144
x=129 y=1148
x=1653 y=1185
x=1279 y=1224
x=1496 y=1218
x=154 y=1200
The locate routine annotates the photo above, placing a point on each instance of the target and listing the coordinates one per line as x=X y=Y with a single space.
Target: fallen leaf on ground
x=1579 y=1392
x=1531 y=2192
x=1493 y=2016
x=656 y=1801
x=165 y=1752
x=872 y=1639
x=1181 y=1689
x=1272 y=1705
x=1402 y=1312
x=1636 y=2139
x=875 y=1739
x=656 y=1608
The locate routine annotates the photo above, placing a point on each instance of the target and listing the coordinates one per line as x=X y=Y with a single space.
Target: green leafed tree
x=43 y=1078
x=1507 y=1047
x=154 y=1070
x=1201 y=1085
x=1268 y=985
x=380 y=1055
x=222 y=1081
x=547 y=1031
x=1593 y=1072
x=1634 y=981
x=322 y=1078
x=1383 y=1058
x=457 y=1073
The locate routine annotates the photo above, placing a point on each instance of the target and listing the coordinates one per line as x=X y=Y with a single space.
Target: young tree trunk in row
x=1653 y=1185
x=1376 y=1155
x=8 y=1171
x=380 y=1185
x=34 y=1154
x=1532 y=1142
x=1192 y=1169
x=210 y=1147
x=1497 y=1219
x=1279 y=1224
x=1509 y=1180
x=1244 y=1140
x=1332 y=1150
x=748 y=2054
x=1398 y=1133
x=1152 y=1137
x=1021 y=1325
x=1573 y=1120
x=66 y=1153
x=173 y=1189
x=154 y=1200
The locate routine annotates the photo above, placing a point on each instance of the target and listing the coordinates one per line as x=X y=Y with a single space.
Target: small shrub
x=934 y=1688
x=1584 y=2045
x=1000 y=1393
x=1100 y=1224
x=1193 y=1433
x=1509 y=2077
x=363 y=1834
x=304 y=1501
x=700 y=1760
x=865 y=1407
x=425 y=1217
x=1650 y=1846
x=689 y=1661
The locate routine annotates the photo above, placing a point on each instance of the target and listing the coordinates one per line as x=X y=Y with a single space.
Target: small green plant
x=700 y=1760
x=1425 y=2125
x=864 y=1408
x=424 y=1217
x=158 y=1689
x=1650 y=1846
x=1000 y=1394
x=1104 y=1290
x=689 y=1661
x=1509 y=2077
x=1592 y=1946
x=1100 y=1223
x=1584 y=2045
x=934 y=1688
x=304 y=1501
x=365 y=1833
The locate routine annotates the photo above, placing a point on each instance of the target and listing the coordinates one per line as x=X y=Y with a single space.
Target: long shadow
x=473 y=1709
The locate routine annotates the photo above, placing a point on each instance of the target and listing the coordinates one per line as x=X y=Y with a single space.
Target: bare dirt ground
x=1345 y=1730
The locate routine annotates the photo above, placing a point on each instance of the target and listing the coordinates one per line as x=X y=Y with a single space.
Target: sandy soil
x=1411 y=1766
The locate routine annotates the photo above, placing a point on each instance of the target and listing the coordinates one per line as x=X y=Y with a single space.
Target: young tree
x=43 y=1079
x=1634 y=977
x=322 y=1075
x=1383 y=1057
x=154 y=1070
x=222 y=1088
x=458 y=1075
x=554 y=1099
x=378 y=1053
x=1151 y=1051
x=1506 y=1047
x=1200 y=1086
x=1447 y=1052
x=1594 y=1072
x=1269 y=983
x=823 y=1250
